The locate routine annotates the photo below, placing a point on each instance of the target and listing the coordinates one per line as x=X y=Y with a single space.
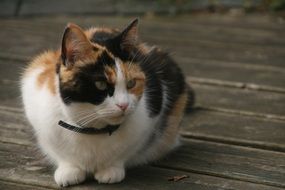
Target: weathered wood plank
x=19 y=165
x=247 y=21
x=188 y=44
x=153 y=28
x=263 y=76
x=10 y=72
x=234 y=129
x=205 y=27
x=229 y=161
x=14 y=127
x=241 y=100
x=4 y=185
x=49 y=7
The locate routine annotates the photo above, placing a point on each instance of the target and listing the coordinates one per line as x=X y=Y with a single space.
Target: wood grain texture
x=235 y=129
x=195 y=40
x=197 y=50
x=247 y=75
x=264 y=103
x=235 y=162
x=18 y=186
x=19 y=165
x=10 y=72
x=49 y=7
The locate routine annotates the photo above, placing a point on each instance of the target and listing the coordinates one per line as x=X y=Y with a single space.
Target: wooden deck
x=235 y=138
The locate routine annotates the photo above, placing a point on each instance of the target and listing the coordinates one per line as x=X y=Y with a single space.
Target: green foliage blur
x=270 y=5
x=277 y=5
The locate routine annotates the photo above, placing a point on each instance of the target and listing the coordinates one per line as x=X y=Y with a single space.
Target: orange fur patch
x=48 y=76
x=133 y=71
x=173 y=122
x=46 y=62
x=110 y=74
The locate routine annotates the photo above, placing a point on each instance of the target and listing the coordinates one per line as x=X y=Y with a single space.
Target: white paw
x=110 y=175
x=68 y=175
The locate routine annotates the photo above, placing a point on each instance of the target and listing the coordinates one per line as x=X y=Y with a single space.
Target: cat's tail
x=191 y=99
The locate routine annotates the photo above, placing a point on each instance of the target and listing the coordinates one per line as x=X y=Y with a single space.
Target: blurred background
x=135 y=7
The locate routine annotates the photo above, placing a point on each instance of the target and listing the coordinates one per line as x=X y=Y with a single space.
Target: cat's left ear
x=129 y=36
x=75 y=45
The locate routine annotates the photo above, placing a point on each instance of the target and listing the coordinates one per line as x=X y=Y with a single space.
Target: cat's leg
x=111 y=174
x=68 y=174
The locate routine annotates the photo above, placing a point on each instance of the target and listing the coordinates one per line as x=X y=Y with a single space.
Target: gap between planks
x=241 y=85
x=233 y=141
x=270 y=117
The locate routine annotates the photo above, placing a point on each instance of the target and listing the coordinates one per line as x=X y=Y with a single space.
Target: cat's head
x=97 y=84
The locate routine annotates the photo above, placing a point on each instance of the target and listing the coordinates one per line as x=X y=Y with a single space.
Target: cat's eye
x=101 y=85
x=131 y=83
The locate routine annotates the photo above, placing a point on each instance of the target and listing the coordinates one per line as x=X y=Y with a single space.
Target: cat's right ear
x=129 y=36
x=75 y=45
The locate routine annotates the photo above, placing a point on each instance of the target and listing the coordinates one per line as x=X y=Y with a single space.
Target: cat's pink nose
x=123 y=106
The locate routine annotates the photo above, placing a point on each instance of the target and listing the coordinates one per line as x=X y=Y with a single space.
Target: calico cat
x=103 y=102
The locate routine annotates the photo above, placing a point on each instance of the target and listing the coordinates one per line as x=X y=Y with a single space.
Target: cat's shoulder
x=43 y=61
x=42 y=68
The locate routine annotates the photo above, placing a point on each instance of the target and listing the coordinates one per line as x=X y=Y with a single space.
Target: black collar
x=90 y=130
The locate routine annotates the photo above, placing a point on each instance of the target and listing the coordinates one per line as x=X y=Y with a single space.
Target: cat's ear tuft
x=75 y=45
x=129 y=36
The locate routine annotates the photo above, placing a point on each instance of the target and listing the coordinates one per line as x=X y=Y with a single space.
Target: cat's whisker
x=83 y=114
x=66 y=99
x=101 y=115
x=97 y=115
x=86 y=122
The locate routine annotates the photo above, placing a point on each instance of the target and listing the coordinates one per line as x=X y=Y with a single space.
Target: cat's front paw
x=110 y=175
x=66 y=175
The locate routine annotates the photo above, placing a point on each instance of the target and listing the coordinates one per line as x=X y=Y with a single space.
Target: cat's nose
x=123 y=106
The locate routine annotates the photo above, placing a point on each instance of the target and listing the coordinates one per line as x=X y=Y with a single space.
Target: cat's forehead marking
x=119 y=71
x=110 y=74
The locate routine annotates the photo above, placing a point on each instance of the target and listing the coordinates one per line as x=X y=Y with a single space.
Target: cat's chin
x=116 y=119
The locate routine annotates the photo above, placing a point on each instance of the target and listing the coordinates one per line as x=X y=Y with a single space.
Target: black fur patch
x=112 y=42
x=83 y=89
x=101 y=37
x=165 y=77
